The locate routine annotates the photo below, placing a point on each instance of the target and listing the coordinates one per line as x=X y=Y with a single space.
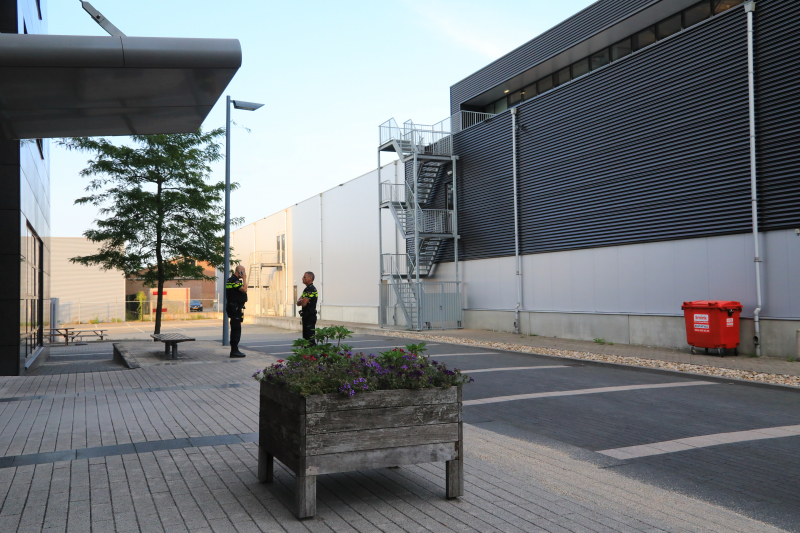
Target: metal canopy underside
x=76 y=86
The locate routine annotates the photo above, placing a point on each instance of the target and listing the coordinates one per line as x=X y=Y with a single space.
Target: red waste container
x=712 y=324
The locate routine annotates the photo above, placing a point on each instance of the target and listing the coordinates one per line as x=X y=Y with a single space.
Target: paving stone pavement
x=512 y=485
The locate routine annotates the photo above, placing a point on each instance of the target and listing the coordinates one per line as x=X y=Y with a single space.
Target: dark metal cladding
x=573 y=30
x=777 y=50
x=652 y=147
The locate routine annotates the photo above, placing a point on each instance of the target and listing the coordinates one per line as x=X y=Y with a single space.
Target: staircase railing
x=432 y=139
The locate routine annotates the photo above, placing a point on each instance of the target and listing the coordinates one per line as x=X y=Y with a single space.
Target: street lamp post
x=247 y=106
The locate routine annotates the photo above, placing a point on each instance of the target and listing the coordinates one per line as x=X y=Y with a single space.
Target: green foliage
x=159 y=214
x=600 y=341
x=326 y=369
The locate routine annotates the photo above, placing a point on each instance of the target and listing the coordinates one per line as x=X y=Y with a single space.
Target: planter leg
x=305 y=495
x=454 y=475
x=266 y=463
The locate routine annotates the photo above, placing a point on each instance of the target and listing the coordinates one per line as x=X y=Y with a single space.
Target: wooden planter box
x=329 y=433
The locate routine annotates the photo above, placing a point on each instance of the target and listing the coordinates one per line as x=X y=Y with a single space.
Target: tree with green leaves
x=159 y=213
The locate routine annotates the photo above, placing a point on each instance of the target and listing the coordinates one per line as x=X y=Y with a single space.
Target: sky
x=328 y=73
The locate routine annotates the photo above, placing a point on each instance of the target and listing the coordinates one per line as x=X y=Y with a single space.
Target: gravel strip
x=764 y=377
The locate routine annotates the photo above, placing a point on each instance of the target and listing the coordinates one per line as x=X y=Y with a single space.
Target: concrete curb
x=635 y=368
x=122 y=356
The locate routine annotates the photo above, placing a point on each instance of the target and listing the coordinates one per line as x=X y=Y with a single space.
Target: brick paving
x=512 y=485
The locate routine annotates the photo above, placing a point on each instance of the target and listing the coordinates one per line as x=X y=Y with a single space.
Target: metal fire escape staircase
x=429 y=150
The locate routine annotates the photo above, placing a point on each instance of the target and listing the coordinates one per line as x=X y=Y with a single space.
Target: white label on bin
x=702 y=328
x=729 y=321
x=700 y=318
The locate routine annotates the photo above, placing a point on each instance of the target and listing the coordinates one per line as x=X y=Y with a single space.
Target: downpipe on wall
x=516 y=217
x=750 y=7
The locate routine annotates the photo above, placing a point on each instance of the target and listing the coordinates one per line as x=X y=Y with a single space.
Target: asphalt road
x=585 y=409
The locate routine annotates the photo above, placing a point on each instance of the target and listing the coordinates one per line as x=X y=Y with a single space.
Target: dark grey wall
x=778 y=112
x=25 y=178
x=652 y=147
x=573 y=30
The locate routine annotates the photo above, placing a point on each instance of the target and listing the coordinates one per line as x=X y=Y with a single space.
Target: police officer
x=308 y=307
x=235 y=298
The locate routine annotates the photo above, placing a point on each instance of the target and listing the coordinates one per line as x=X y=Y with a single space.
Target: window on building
x=621 y=49
x=580 y=68
x=668 y=27
x=696 y=13
x=529 y=91
x=544 y=84
x=644 y=38
x=449 y=194
x=724 y=5
x=599 y=59
x=561 y=77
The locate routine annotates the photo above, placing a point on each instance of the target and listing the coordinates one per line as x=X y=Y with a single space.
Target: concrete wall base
x=339 y=313
x=779 y=338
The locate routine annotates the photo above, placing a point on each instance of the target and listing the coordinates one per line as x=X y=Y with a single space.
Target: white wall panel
x=653 y=278
x=632 y=278
x=350 y=240
x=606 y=280
x=305 y=241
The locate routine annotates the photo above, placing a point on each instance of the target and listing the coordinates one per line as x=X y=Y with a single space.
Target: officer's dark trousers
x=309 y=323
x=236 y=316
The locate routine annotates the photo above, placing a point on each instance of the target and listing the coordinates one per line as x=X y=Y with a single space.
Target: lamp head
x=247 y=106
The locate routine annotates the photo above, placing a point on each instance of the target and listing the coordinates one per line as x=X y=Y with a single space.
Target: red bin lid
x=712 y=304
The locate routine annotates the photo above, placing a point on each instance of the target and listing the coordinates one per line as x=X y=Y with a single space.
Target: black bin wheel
x=706 y=350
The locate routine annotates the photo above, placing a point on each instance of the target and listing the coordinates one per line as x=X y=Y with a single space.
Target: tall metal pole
x=380 y=246
x=750 y=7
x=416 y=240
x=516 y=217
x=455 y=219
x=227 y=261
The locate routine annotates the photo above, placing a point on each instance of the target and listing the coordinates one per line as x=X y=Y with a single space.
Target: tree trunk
x=159 y=260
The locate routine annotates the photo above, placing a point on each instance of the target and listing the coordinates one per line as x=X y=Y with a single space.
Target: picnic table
x=61 y=332
x=171 y=341
x=80 y=334
x=70 y=334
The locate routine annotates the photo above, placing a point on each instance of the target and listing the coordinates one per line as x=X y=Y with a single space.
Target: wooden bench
x=171 y=340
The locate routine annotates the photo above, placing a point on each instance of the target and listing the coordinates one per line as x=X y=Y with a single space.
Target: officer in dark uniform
x=235 y=298
x=308 y=307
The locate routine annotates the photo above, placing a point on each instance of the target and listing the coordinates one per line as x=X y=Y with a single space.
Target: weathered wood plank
x=282 y=396
x=290 y=460
x=266 y=465
x=388 y=417
x=454 y=478
x=305 y=494
x=281 y=435
x=380 y=399
x=291 y=420
x=362 y=460
x=383 y=438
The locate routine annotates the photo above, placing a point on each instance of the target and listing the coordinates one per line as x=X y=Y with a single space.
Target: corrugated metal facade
x=652 y=147
x=778 y=113
x=573 y=30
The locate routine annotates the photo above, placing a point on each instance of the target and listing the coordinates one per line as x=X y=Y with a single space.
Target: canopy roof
x=77 y=86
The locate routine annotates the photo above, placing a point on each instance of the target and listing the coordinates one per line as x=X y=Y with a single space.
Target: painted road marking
x=703 y=441
x=292 y=344
x=434 y=356
x=578 y=392
x=541 y=367
x=359 y=348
